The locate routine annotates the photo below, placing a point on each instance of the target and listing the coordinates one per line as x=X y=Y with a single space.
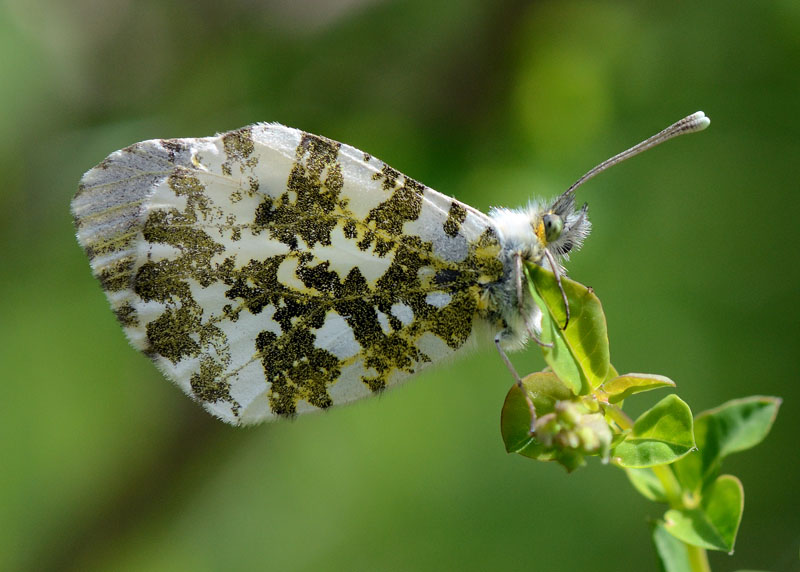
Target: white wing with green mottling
x=269 y=272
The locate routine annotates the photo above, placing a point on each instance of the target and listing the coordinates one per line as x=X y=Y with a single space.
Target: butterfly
x=270 y=272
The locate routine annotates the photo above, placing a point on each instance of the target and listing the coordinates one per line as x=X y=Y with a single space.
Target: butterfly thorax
x=538 y=234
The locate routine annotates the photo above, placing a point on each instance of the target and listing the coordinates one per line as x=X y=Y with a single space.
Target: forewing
x=269 y=272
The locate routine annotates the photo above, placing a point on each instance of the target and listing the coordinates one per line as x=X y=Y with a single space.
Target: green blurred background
x=105 y=465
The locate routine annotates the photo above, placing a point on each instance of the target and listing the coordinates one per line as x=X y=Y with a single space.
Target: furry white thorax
x=516 y=230
x=518 y=238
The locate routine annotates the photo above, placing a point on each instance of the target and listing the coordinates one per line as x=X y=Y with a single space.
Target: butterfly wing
x=269 y=272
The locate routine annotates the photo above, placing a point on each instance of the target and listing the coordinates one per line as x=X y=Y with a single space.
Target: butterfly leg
x=518 y=381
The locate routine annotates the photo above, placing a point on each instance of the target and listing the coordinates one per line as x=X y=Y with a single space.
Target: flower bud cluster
x=572 y=425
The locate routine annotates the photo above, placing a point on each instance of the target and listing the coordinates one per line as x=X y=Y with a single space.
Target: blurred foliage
x=107 y=466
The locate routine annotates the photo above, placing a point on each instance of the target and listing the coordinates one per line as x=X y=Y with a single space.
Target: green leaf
x=672 y=553
x=661 y=435
x=732 y=427
x=559 y=358
x=715 y=523
x=545 y=390
x=515 y=421
x=580 y=356
x=623 y=386
x=739 y=424
x=646 y=482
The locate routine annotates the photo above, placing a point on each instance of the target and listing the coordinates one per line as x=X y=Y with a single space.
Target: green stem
x=620 y=417
x=672 y=488
x=698 y=559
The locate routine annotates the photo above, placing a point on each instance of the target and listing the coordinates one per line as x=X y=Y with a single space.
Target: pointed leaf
x=723 y=503
x=672 y=553
x=739 y=424
x=732 y=427
x=715 y=523
x=623 y=386
x=661 y=435
x=584 y=343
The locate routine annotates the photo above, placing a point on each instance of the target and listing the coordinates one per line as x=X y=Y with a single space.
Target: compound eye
x=553 y=226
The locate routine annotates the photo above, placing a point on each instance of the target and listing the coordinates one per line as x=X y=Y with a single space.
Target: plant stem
x=620 y=417
x=698 y=559
x=672 y=488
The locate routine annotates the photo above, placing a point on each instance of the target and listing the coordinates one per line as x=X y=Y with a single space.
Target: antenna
x=694 y=122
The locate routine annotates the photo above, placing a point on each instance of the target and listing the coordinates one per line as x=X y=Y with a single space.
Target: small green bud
x=568 y=413
x=590 y=441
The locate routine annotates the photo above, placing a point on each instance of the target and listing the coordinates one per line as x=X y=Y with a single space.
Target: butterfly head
x=560 y=227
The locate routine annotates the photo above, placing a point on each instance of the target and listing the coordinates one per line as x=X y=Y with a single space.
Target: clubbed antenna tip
x=695 y=122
